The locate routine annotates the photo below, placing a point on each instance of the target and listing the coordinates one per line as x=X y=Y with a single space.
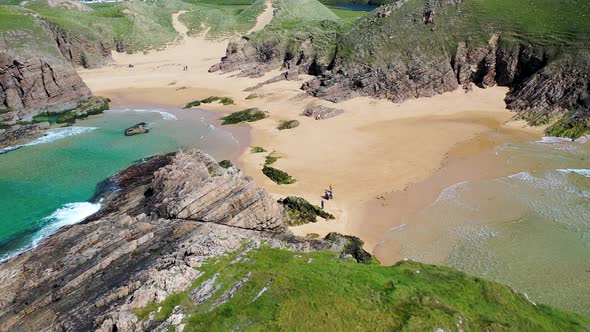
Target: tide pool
x=48 y=183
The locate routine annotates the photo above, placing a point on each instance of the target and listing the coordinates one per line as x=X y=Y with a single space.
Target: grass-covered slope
x=402 y=33
x=222 y=18
x=415 y=48
x=279 y=290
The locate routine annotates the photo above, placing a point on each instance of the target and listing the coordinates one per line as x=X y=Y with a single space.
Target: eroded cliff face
x=159 y=222
x=79 y=51
x=546 y=82
x=30 y=86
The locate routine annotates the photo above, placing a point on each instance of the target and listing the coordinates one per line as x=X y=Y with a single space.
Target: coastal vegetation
x=222 y=100
x=257 y=149
x=290 y=124
x=271 y=159
x=226 y=164
x=302 y=212
x=284 y=290
x=277 y=176
x=85 y=108
x=247 y=115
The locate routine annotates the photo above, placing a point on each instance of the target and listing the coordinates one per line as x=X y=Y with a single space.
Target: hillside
x=287 y=291
x=418 y=48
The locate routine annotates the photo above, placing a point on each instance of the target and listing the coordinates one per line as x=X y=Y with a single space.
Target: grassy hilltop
x=287 y=291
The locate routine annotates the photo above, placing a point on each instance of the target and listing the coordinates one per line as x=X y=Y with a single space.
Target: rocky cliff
x=159 y=221
x=419 y=48
x=33 y=85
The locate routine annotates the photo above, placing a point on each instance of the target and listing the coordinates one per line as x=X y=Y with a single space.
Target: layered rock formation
x=30 y=86
x=399 y=53
x=159 y=222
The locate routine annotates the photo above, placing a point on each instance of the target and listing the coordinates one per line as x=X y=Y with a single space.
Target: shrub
x=278 y=176
x=247 y=115
x=252 y=96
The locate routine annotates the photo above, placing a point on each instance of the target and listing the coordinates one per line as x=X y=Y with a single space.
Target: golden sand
x=374 y=148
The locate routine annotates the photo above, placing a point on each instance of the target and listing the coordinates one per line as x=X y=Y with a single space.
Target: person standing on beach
x=322 y=204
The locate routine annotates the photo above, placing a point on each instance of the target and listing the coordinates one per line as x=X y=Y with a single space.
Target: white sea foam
x=69 y=214
x=583 y=172
x=165 y=115
x=451 y=192
x=398 y=228
x=552 y=140
x=52 y=136
x=522 y=176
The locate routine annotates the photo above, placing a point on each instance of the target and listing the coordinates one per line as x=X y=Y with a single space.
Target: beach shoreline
x=374 y=148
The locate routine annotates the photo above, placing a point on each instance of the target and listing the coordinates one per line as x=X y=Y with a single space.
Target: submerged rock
x=140 y=128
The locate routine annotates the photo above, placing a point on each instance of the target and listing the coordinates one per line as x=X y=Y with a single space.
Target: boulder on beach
x=140 y=128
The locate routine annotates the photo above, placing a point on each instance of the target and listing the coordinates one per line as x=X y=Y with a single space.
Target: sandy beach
x=373 y=149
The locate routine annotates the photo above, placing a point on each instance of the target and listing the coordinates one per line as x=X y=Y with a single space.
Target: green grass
x=570 y=128
x=222 y=18
x=247 y=115
x=319 y=292
x=277 y=176
x=381 y=41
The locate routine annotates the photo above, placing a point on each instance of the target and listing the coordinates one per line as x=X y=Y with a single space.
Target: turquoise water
x=46 y=185
x=530 y=229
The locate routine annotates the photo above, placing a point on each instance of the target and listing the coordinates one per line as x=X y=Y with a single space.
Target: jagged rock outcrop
x=79 y=51
x=160 y=221
x=253 y=58
x=31 y=86
x=375 y=59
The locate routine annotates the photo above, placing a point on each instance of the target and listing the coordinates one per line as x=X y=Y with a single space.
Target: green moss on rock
x=247 y=115
x=226 y=164
x=302 y=212
x=257 y=149
x=278 y=176
x=288 y=124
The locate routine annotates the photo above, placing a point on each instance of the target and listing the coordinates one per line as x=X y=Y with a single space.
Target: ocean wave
x=51 y=136
x=450 y=193
x=165 y=115
x=69 y=214
x=525 y=176
x=583 y=172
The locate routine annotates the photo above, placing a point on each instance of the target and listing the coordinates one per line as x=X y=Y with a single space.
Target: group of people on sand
x=328 y=195
x=185 y=68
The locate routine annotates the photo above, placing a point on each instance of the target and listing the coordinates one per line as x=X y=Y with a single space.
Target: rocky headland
x=159 y=221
